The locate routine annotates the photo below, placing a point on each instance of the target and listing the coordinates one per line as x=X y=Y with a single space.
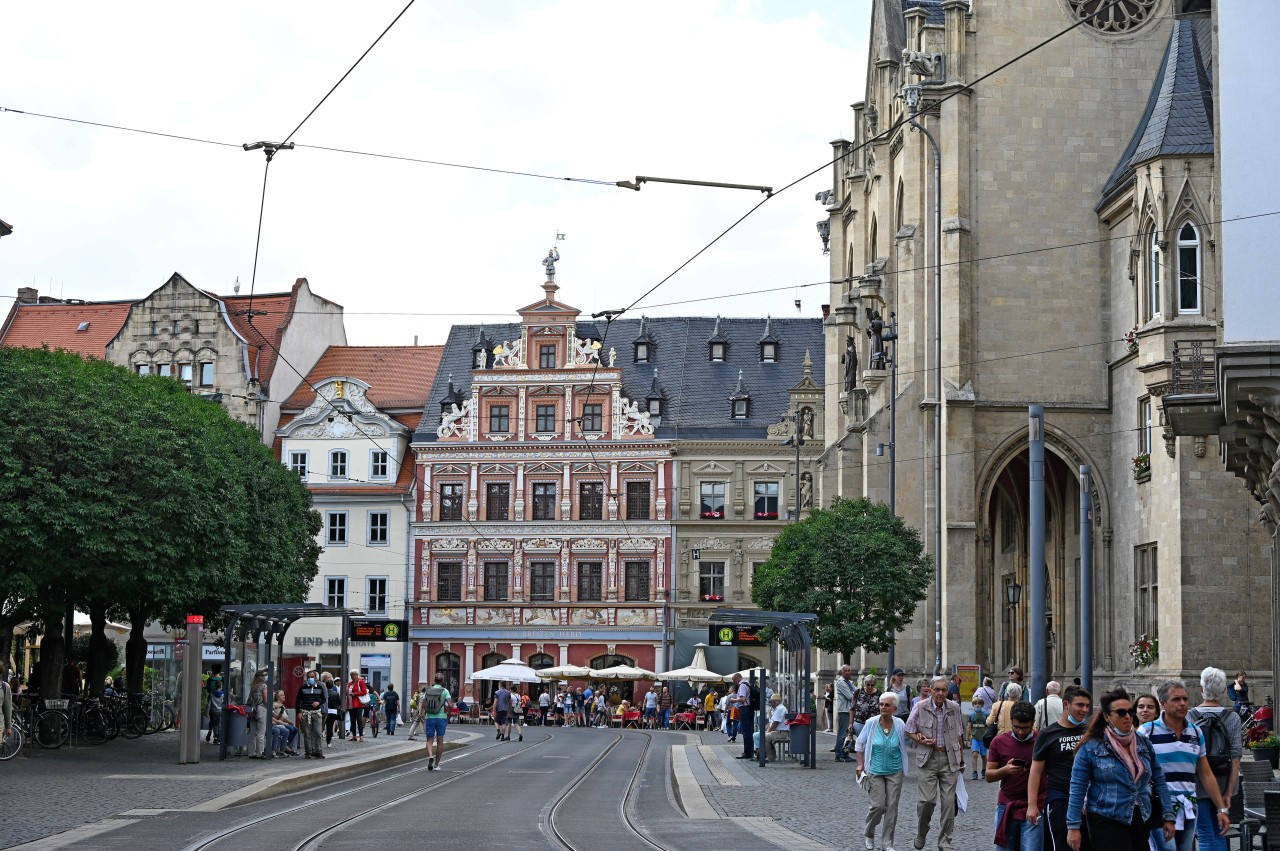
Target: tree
x=855 y=565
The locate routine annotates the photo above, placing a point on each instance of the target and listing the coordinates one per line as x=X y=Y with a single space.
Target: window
x=379 y=528
x=379 y=463
x=298 y=463
x=497 y=501
x=144 y=369
x=636 y=586
x=717 y=352
x=451 y=501
x=336 y=525
x=655 y=406
x=1188 y=269
x=768 y=353
x=546 y=418
x=375 y=600
x=590 y=586
x=449 y=581
x=741 y=407
x=1147 y=581
x=642 y=352
x=546 y=356
x=500 y=419
x=1144 y=426
x=495 y=580
x=544 y=501
x=1008 y=527
x=711 y=581
x=206 y=374
x=591 y=501
x=1153 y=292
x=542 y=581
x=637 y=500
x=449 y=664
x=712 y=504
x=335 y=591
x=165 y=370
x=338 y=464
x=766 y=507
x=184 y=373
x=593 y=417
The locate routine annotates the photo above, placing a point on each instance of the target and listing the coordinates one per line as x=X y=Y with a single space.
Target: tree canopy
x=128 y=496
x=855 y=565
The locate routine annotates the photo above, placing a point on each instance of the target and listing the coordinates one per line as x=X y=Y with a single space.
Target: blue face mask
x=1071 y=719
x=1118 y=731
x=311 y=681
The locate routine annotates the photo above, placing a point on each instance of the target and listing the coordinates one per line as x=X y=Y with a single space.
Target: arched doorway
x=618 y=690
x=1004 y=572
x=488 y=687
x=538 y=661
x=450 y=665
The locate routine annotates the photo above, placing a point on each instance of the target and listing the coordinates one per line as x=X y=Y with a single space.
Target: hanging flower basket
x=1142 y=465
x=1131 y=340
x=1145 y=651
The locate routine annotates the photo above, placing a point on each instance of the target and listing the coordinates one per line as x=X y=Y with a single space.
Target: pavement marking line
x=688 y=790
x=71 y=837
x=167 y=777
x=148 y=811
x=717 y=768
x=772 y=831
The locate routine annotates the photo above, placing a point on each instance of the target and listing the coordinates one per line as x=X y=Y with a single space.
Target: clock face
x=1107 y=16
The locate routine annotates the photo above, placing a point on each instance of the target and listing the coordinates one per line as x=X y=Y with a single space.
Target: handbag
x=992 y=729
x=363 y=699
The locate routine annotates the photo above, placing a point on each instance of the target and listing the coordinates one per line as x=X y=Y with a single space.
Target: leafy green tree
x=129 y=497
x=855 y=565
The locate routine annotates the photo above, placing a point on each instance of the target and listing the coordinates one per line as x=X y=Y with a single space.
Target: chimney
x=28 y=295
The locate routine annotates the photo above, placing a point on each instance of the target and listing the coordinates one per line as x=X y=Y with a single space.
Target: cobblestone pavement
x=824 y=804
x=51 y=791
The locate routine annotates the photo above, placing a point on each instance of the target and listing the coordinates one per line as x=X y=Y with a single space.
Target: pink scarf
x=1126 y=747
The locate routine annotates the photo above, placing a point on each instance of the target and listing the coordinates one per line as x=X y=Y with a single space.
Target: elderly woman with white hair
x=1221 y=729
x=881 y=750
x=1000 y=712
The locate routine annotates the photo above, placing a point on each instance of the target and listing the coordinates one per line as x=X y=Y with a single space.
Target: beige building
x=1077 y=268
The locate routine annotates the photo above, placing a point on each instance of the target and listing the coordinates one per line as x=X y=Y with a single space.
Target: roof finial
x=808 y=365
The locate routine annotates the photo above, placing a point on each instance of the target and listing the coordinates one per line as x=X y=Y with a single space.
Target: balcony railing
x=1193 y=368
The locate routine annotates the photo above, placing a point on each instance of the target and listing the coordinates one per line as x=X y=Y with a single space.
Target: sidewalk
x=51 y=791
x=821 y=807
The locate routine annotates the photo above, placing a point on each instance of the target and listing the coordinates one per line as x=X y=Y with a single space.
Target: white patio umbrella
x=508 y=670
x=624 y=672
x=696 y=671
x=565 y=672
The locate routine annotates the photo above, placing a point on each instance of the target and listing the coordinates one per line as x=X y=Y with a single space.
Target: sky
x=739 y=92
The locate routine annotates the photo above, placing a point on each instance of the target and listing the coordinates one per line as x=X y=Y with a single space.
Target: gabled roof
x=265 y=331
x=399 y=377
x=1178 y=119
x=56 y=325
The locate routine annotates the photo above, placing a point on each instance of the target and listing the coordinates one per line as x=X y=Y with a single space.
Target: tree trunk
x=135 y=650
x=52 y=654
x=96 y=664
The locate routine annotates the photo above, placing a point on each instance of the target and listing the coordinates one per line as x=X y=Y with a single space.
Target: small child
x=978 y=729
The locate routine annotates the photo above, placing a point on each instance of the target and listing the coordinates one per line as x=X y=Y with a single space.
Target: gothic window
x=495 y=580
x=542 y=581
x=449 y=581
x=1147 y=582
x=1113 y=16
x=1188 y=269
x=497 y=500
x=1008 y=526
x=872 y=238
x=451 y=501
x=544 y=501
x=711 y=506
x=636 y=585
x=637 y=500
x=591 y=501
x=500 y=419
x=1154 y=273
x=898 y=207
x=590 y=574
x=711 y=581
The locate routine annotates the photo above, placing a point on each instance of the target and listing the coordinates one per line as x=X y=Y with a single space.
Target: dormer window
x=768 y=353
x=718 y=352
x=655 y=407
x=740 y=401
x=741 y=408
x=642 y=352
x=547 y=356
x=645 y=346
x=717 y=345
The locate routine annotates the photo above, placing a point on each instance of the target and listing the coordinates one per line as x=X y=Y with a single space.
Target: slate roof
x=57 y=324
x=697 y=390
x=398 y=376
x=932 y=8
x=1178 y=119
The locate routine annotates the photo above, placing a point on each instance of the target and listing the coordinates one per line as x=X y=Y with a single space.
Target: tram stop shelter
x=789 y=670
x=258 y=631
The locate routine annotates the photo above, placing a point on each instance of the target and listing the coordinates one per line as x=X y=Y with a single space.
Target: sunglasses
x=1123 y=713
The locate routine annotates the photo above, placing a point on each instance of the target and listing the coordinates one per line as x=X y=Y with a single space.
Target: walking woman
x=882 y=761
x=359 y=699
x=333 y=705
x=1113 y=777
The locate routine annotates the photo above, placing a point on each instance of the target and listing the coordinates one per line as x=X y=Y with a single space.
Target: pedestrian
x=1052 y=759
x=588 y=705
x=544 y=704
x=1112 y=780
x=416 y=718
x=6 y=707
x=1000 y=712
x=1007 y=764
x=258 y=715
x=284 y=733
x=1015 y=678
x=866 y=702
x=977 y=730
x=358 y=702
x=953 y=690
x=600 y=718
x=1049 y=707
x=211 y=684
x=518 y=702
x=898 y=685
x=333 y=706
x=987 y=692
x=1238 y=691
x=309 y=709
x=922 y=691
x=1145 y=708
x=828 y=706
x=664 y=708
x=728 y=715
x=745 y=699
x=936 y=726
x=882 y=763
x=1179 y=746
x=435 y=708
x=1221 y=729
x=217 y=702
x=709 y=702
x=777 y=730
x=844 y=689
x=502 y=708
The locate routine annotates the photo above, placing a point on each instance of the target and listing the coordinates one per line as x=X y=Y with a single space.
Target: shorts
x=978 y=747
x=650 y=713
x=435 y=726
x=502 y=717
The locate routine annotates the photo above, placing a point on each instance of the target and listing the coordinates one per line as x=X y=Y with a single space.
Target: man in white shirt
x=1049 y=707
x=778 y=730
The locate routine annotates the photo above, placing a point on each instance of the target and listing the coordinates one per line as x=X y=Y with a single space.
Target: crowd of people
x=1128 y=773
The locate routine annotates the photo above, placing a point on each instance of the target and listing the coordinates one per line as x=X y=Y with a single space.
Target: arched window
x=450 y=665
x=618 y=690
x=1188 y=269
x=538 y=661
x=898 y=210
x=1154 y=276
x=872 y=242
x=488 y=687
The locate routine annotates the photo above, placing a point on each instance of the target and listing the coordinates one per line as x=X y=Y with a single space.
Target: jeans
x=1207 y=827
x=842 y=730
x=392 y=718
x=1029 y=838
x=664 y=718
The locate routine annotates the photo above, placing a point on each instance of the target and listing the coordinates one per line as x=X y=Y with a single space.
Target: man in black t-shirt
x=1051 y=761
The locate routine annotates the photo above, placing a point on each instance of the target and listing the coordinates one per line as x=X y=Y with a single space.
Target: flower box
x=766 y=515
x=1142 y=466
x=712 y=515
x=713 y=598
x=1145 y=651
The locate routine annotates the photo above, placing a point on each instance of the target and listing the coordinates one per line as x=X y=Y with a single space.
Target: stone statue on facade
x=876 y=333
x=850 y=361
x=806 y=490
x=550 y=263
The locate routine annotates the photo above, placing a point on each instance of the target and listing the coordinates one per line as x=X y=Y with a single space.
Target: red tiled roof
x=264 y=332
x=55 y=325
x=398 y=376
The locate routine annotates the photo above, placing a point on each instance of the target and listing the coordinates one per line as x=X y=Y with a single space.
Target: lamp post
x=891 y=336
x=1086 y=578
x=1036 y=563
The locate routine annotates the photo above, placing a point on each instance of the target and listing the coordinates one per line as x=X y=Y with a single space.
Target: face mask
x=1029 y=734
x=1071 y=719
x=311 y=681
x=1117 y=731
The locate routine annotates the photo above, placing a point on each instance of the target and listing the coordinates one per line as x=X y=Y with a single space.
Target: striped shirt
x=1177 y=756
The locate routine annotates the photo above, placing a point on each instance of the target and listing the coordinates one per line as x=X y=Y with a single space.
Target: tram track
x=314 y=839
x=554 y=808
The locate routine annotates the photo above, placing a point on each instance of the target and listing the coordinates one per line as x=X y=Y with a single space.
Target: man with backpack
x=747 y=697
x=1180 y=751
x=434 y=708
x=1222 y=729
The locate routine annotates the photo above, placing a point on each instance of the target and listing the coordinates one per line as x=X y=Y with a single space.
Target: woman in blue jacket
x=1112 y=781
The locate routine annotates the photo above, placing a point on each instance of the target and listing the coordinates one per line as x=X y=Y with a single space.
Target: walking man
x=742 y=699
x=937 y=728
x=435 y=707
x=501 y=713
x=844 y=711
x=1049 y=707
x=1053 y=756
x=391 y=708
x=310 y=706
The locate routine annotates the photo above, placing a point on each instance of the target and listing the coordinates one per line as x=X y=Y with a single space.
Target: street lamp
x=824 y=232
x=1013 y=593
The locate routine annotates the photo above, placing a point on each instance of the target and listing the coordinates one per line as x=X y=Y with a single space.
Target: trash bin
x=799 y=729
x=237 y=725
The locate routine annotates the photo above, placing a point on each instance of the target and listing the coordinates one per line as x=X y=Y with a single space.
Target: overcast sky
x=738 y=92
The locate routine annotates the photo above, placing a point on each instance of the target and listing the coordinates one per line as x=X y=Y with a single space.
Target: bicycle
x=11 y=744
